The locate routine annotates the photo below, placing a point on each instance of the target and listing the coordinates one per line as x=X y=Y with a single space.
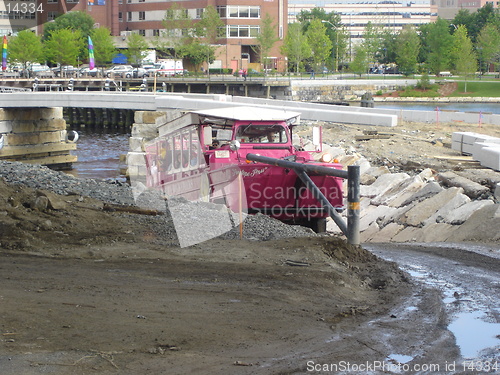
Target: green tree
x=474 y=22
x=63 y=47
x=196 y=53
x=210 y=26
x=104 y=47
x=320 y=43
x=463 y=55
x=306 y=16
x=373 y=38
x=388 y=50
x=295 y=46
x=265 y=39
x=179 y=31
x=407 y=47
x=80 y=21
x=334 y=30
x=77 y=21
x=359 y=64
x=24 y=48
x=137 y=49
x=488 y=46
x=438 y=44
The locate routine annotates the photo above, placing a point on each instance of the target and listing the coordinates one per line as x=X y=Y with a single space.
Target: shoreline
x=435 y=100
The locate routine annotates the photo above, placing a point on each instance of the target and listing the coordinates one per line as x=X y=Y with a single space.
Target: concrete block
x=364 y=165
x=347 y=159
x=401 y=191
x=394 y=216
x=32 y=114
x=477 y=148
x=134 y=171
x=483 y=225
x=423 y=210
x=436 y=232
x=383 y=183
x=409 y=234
x=490 y=157
x=377 y=171
x=136 y=159
x=387 y=233
x=452 y=205
x=464 y=141
x=427 y=174
x=34 y=138
x=462 y=213
x=332 y=227
x=432 y=188
x=150 y=117
x=497 y=192
x=366 y=179
x=148 y=131
x=369 y=232
x=364 y=204
x=5 y=126
x=136 y=144
x=372 y=214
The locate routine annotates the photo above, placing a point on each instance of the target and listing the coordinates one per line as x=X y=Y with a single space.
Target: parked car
x=140 y=73
x=126 y=71
x=123 y=71
x=37 y=70
x=65 y=71
x=87 y=72
x=151 y=69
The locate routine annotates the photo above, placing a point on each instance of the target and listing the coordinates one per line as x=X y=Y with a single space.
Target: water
x=473 y=333
x=99 y=153
x=461 y=107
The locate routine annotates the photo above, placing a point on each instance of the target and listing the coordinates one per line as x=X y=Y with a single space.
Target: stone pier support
x=37 y=136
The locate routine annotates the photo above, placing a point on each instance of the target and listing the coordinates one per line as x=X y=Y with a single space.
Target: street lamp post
x=336 y=60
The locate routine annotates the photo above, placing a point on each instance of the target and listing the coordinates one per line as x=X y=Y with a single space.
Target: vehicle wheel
x=128 y=75
x=108 y=75
x=317 y=225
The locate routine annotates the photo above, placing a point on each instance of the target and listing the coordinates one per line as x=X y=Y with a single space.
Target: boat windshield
x=262 y=134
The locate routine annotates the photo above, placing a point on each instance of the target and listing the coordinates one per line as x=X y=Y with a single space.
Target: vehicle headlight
x=326 y=158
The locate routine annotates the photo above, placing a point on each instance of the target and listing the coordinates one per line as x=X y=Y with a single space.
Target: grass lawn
x=477 y=88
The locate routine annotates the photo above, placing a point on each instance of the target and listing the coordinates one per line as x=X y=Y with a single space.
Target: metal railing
x=351 y=230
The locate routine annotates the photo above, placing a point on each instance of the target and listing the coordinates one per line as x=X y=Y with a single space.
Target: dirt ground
x=89 y=291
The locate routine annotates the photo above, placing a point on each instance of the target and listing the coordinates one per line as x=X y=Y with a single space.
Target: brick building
x=242 y=22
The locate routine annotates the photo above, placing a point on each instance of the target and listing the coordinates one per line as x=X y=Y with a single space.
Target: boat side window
x=177 y=152
x=261 y=134
x=185 y=150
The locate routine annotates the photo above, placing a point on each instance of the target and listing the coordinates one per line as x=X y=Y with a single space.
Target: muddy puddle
x=470 y=295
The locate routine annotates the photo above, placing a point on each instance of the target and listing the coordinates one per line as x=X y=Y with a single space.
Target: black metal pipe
x=309 y=168
x=323 y=200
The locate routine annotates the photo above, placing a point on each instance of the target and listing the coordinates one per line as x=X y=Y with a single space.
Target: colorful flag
x=91 y=55
x=4 y=53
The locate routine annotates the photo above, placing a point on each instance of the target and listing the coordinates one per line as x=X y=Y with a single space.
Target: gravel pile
x=184 y=222
x=41 y=177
